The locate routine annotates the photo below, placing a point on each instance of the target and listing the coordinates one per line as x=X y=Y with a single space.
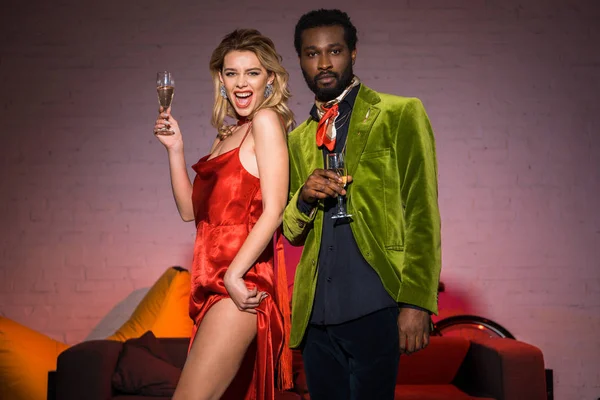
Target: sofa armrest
x=85 y=370
x=505 y=369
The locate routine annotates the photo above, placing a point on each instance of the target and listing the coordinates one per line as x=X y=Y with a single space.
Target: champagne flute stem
x=340 y=204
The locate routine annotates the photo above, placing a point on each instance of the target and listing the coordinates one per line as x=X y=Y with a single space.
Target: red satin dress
x=227 y=203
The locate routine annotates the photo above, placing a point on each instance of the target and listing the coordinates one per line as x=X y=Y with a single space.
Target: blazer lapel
x=363 y=117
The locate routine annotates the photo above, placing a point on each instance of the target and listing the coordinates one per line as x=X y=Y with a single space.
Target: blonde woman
x=237 y=201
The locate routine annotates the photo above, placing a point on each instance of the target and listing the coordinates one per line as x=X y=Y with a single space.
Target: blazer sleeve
x=417 y=167
x=295 y=223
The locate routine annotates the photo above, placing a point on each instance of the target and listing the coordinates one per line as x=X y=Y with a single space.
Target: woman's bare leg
x=217 y=352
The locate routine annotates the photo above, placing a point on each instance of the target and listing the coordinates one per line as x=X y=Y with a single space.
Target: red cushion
x=432 y=392
x=144 y=368
x=437 y=364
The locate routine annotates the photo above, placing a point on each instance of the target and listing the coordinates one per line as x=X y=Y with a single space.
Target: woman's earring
x=268 y=90
x=223 y=92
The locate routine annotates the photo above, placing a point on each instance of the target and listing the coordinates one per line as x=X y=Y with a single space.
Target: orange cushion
x=26 y=356
x=163 y=310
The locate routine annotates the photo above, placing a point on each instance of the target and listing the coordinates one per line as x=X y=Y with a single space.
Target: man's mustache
x=326 y=75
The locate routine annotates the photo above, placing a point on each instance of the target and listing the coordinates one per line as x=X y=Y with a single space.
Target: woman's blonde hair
x=264 y=49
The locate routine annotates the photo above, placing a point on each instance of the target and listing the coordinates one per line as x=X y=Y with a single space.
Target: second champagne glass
x=336 y=163
x=165 y=87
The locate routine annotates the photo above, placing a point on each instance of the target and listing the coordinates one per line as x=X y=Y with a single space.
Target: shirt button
x=328 y=279
x=330 y=248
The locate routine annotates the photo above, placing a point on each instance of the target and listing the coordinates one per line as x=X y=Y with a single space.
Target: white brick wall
x=88 y=220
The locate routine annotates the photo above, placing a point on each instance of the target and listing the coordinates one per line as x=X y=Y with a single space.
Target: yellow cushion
x=163 y=310
x=26 y=356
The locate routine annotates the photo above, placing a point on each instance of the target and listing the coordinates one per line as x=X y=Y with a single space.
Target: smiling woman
x=238 y=304
x=245 y=81
x=244 y=66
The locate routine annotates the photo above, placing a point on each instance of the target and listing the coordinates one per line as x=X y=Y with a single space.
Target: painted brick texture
x=87 y=216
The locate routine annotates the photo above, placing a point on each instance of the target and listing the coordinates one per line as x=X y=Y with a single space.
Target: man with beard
x=365 y=285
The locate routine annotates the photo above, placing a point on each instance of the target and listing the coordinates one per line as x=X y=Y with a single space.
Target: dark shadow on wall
x=455 y=300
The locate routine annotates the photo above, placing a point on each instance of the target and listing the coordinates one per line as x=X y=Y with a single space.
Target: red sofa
x=450 y=368
x=455 y=368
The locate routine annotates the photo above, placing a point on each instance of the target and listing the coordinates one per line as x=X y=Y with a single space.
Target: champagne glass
x=336 y=163
x=165 y=86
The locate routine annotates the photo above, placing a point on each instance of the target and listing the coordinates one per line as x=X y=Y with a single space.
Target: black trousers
x=355 y=360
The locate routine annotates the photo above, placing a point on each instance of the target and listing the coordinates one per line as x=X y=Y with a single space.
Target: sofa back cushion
x=437 y=364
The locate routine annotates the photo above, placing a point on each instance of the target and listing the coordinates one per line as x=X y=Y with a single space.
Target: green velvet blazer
x=390 y=153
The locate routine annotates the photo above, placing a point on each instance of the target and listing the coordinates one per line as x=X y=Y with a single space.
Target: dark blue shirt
x=347 y=286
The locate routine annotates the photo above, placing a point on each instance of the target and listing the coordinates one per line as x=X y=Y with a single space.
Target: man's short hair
x=322 y=17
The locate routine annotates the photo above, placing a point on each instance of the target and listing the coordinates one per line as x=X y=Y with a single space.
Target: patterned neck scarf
x=328 y=112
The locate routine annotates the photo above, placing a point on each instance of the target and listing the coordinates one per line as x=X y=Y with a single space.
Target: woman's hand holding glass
x=174 y=140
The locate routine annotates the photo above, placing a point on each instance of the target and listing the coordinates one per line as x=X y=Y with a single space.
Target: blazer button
x=301 y=224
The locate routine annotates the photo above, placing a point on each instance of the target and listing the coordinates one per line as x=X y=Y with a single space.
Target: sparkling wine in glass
x=165 y=87
x=335 y=162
